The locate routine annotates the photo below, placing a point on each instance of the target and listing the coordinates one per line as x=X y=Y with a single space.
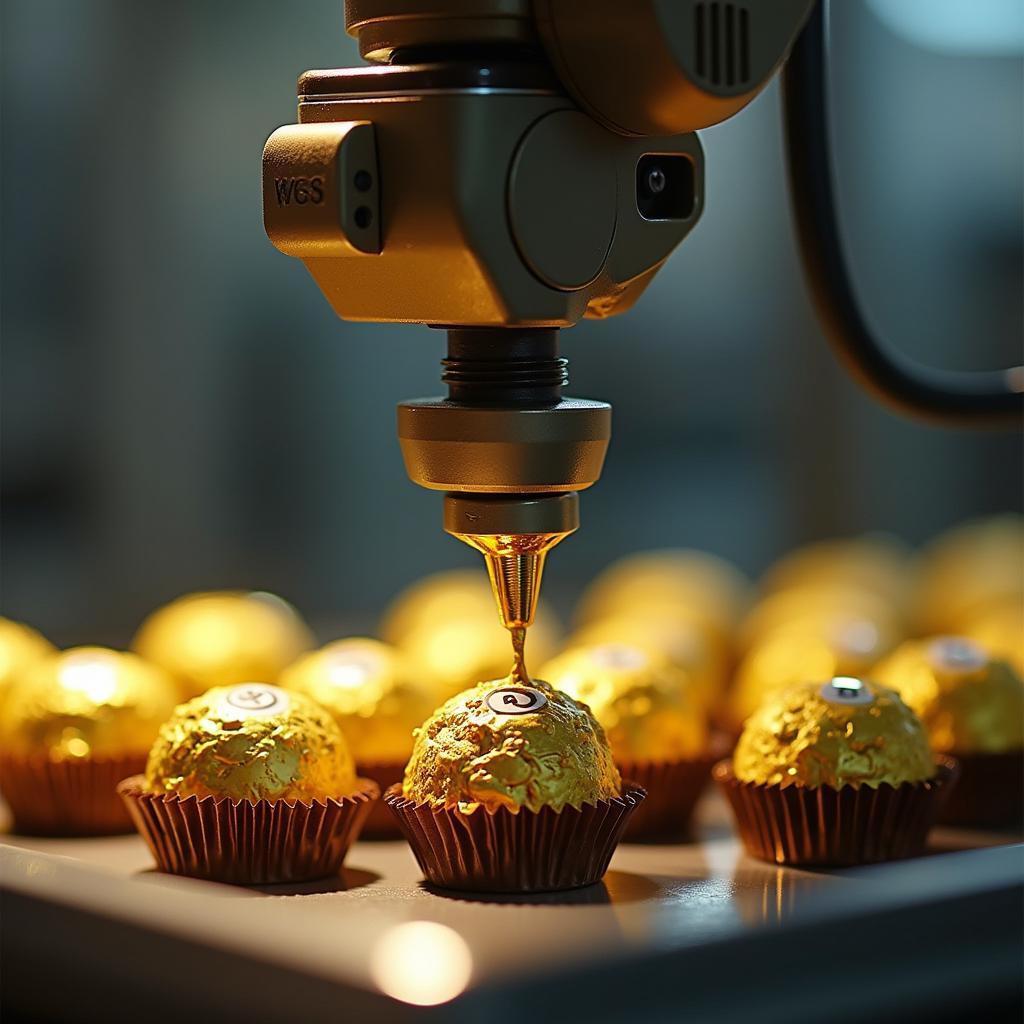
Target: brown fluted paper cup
x=829 y=827
x=246 y=842
x=523 y=852
x=67 y=797
x=989 y=792
x=381 y=822
x=673 y=789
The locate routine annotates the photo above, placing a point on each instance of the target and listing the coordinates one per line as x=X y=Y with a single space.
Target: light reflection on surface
x=93 y=674
x=421 y=963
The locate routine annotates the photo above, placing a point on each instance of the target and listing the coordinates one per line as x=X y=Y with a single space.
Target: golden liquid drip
x=518 y=676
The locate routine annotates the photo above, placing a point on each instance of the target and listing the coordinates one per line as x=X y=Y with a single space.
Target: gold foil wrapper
x=969 y=702
x=86 y=702
x=251 y=742
x=800 y=737
x=820 y=610
x=20 y=648
x=694 y=582
x=447 y=627
x=828 y=827
x=371 y=691
x=248 y=842
x=968 y=570
x=649 y=709
x=545 y=850
x=803 y=652
x=677 y=635
x=1000 y=630
x=872 y=564
x=223 y=638
x=545 y=750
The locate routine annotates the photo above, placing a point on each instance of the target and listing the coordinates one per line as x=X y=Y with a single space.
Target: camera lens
x=665 y=186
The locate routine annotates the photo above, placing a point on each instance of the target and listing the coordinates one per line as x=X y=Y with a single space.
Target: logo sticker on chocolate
x=954 y=654
x=255 y=700
x=515 y=700
x=847 y=691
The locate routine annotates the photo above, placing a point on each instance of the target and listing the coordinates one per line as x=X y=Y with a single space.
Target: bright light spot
x=349 y=670
x=421 y=963
x=859 y=637
x=95 y=675
x=847 y=683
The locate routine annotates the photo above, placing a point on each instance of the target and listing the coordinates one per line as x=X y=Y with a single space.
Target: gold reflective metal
x=372 y=691
x=86 y=702
x=213 y=746
x=797 y=737
x=446 y=627
x=969 y=704
x=649 y=708
x=515 y=565
x=470 y=756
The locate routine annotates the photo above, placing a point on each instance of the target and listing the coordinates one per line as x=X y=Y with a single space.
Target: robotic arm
x=504 y=168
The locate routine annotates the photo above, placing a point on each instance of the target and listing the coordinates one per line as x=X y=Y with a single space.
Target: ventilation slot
x=721 y=44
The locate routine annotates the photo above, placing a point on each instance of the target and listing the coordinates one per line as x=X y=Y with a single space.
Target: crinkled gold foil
x=805 y=652
x=968 y=569
x=648 y=708
x=1000 y=630
x=976 y=706
x=86 y=702
x=447 y=626
x=371 y=690
x=820 y=609
x=20 y=648
x=466 y=755
x=679 y=636
x=222 y=638
x=797 y=737
x=875 y=564
x=278 y=746
x=695 y=581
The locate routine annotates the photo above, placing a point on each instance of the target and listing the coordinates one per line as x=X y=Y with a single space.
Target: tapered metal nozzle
x=514 y=535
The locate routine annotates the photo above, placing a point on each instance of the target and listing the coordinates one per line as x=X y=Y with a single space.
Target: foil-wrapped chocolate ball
x=251 y=742
x=819 y=609
x=968 y=570
x=448 y=628
x=499 y=745
x=20 y=648
x=969 y=702
x=1000 y=631
x=86 y=702
x=647 y=706
x=702 y=584
x=876 y=564
x=806 y=651
x=841 y=732
x=222 y=638
x=371 y=690
x=678 y=636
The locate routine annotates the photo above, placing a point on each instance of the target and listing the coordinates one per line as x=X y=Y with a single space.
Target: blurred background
x=182 y=410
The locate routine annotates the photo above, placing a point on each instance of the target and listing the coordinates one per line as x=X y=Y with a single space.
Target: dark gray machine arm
x=946 y=396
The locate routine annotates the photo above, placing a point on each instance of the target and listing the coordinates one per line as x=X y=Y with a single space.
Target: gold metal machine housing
x=503 y=169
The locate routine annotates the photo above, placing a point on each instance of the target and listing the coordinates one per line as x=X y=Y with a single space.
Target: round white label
x=846 y=690
x=955 y=654
x=249 y=700
x=515 y=700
